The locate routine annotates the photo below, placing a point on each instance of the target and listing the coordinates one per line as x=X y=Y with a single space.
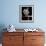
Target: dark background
x=30 y=10
x=30 y=13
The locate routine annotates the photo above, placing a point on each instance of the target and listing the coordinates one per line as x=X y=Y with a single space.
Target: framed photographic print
x=26 y=13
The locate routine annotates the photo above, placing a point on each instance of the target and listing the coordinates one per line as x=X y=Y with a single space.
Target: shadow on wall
x=2 y=26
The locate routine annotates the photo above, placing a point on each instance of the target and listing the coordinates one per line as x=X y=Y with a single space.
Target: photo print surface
x=26 y=13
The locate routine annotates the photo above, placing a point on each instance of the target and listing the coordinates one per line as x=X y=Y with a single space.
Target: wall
x=9 y=13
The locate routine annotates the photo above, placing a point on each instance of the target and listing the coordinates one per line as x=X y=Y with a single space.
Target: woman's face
x=26 y=11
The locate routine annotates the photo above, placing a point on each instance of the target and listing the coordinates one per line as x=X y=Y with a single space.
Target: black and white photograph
x=26 y=13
